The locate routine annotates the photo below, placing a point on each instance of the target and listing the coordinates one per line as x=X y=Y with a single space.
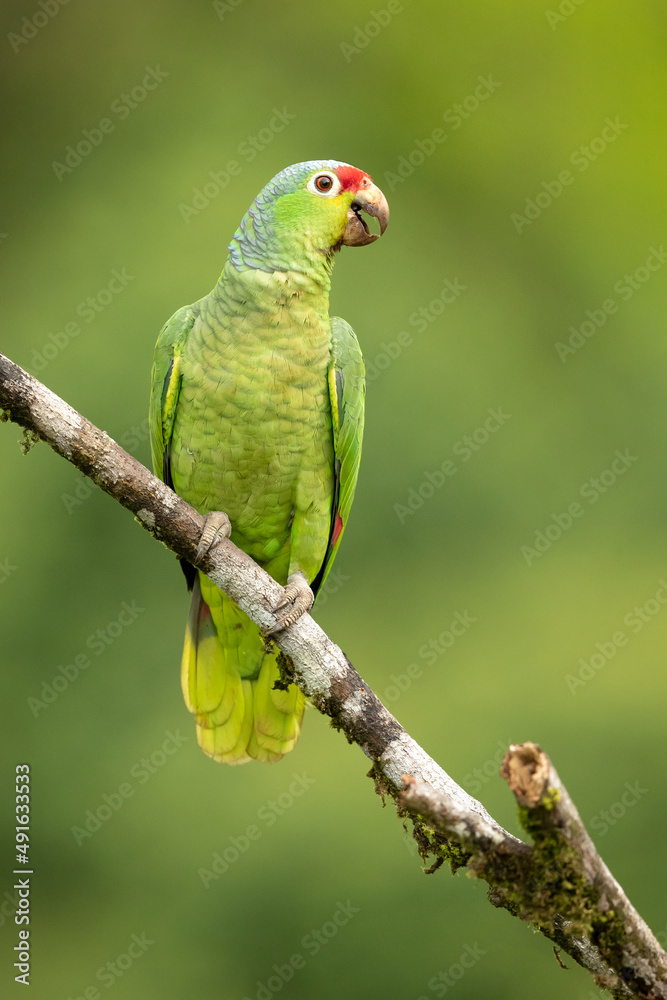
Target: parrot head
x=309 y=209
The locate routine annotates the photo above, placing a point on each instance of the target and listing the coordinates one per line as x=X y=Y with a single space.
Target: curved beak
x=368 y=199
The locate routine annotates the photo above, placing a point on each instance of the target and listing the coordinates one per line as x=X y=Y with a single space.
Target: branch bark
x=559 y=884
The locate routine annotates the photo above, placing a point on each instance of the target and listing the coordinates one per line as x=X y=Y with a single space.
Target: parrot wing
x=347 y=388
x=166 y=387
x=166 y=380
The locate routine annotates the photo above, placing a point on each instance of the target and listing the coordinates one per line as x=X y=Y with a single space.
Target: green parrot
x=257 y=411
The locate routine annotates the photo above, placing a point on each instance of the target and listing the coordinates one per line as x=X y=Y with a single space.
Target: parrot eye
x=326 y=185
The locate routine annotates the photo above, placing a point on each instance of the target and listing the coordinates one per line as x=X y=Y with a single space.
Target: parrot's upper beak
x=368 y=199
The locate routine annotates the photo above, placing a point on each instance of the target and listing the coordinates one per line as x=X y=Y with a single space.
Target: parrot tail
x=228 y=683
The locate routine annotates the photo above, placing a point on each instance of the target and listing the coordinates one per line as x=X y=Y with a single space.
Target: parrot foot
x=216 y=527
x=298 y=599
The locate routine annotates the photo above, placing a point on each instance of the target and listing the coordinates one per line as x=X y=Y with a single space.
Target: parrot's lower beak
x=368 y=199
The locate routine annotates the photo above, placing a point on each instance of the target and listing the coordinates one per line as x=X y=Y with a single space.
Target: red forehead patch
x=350 y=177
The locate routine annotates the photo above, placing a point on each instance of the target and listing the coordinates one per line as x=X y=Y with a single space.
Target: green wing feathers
x=347 y=389
x=166 y=385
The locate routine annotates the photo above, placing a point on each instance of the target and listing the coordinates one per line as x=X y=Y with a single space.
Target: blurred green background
x=520 y=94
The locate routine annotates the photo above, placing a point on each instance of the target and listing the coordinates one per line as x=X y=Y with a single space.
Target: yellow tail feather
x=228 y=684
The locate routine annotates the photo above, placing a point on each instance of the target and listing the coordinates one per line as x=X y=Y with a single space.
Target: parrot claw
x=298 y=599
x=216 y=527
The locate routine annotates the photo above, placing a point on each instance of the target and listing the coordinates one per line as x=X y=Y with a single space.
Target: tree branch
x=559 y=883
